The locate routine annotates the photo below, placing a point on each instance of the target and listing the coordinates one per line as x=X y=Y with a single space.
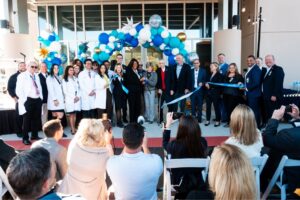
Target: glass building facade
x=76 y=23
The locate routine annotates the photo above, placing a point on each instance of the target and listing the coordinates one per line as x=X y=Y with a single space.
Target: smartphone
x=177 y=115
x=288 y=108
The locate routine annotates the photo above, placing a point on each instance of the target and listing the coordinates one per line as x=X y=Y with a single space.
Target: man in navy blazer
x=272 y=86
x=181 y=72
x=253 y=87
x=197 y=79
x=223 y=67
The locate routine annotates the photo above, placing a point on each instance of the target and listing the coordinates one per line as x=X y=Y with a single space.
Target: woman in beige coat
x=88 y=153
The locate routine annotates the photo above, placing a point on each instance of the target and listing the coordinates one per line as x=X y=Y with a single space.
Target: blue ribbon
x=233 y=85
x=181 y=98
x=123 y=87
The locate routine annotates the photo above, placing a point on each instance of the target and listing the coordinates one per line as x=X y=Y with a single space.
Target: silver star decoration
x=129 y=25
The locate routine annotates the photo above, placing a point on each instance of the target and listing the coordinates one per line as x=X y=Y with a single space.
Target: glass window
x=79 y=23
x=51 y=17
x=133 y=53
x=111 y=17
x=194 y=20
x=42 y=18
x=175 y=16
x=92 y=16
x=151 y=9
x=65 y=22
x=216 y=18
x=134 y=10
x=208 y=20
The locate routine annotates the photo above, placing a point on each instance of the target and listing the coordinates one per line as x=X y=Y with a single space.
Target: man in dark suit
x=223 y=67
x=11 y=87
x=253 y=87
x=181 y=73
x=197 y=79
x=284 y=142
x=43 y=75
x=272 y=86
x=164 y=86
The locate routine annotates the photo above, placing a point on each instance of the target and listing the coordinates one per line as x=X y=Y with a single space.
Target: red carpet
x=153 y=142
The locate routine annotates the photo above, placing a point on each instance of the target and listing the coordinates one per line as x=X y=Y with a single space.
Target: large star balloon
x=129 y=25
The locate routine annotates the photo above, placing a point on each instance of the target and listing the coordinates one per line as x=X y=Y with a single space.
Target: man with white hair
x=29 y=91
x=272 y=85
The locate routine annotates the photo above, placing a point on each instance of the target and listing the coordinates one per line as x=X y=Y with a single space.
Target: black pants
x=253 y=103
x=19 y=120
x=32 y=117
x=134 y=100
x=90 y=114
x=181 y=103
x=230 y=102
x=109 y=104
x=197 y=102
x=164 y=97
x=215 y=100
x=269 y=107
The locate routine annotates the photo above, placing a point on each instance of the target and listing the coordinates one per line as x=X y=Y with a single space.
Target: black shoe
x=207 y=123
x=226 y=125
x=36 y=138
x=20 y=135
x=125 y=120
x=199 y=121
x=120 y=125
x=65 y=135
x=26 y=142
x=217 y=124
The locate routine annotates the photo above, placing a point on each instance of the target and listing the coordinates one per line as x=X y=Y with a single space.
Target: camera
x=288 y=109
x=177 y=115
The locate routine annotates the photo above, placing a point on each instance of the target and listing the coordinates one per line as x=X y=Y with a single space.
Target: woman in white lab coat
x=71 y=91
x=101 y=84
x=55 y=101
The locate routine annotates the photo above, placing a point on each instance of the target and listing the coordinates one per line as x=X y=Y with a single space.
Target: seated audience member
x=188 y=144
x=7 y=153
x=54 y=131
x=283 y=142
x=88 y=153
x=244 y=132
x=134 y=174
x=31 y=175
x=230 y=175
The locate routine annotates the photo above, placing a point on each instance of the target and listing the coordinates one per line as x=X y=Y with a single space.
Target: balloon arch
x=130 y=35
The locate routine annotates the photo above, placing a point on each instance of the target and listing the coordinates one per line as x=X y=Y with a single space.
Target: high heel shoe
x=207 y=123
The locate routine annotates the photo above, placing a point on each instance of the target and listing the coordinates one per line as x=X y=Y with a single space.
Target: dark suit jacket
x=213 y=89
x=233 y=91
x=44 y=87
x=132 y=81
x=253 y=82
x=11 y=84
x=169 y=82
x=182 y=82
x=285 y=142
x=202 y=77
x=273 y=82
x=7 y=153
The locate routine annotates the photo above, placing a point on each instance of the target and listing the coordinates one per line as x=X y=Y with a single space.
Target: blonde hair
x=91 y=133
x=243 y=125
x=231 y=176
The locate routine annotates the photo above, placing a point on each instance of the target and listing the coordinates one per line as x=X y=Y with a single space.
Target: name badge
x=247 y=80
x=270 y=73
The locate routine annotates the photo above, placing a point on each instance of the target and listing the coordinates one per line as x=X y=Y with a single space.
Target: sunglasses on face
x=34 y=67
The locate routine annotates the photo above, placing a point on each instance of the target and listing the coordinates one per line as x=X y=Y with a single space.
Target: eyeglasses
x=34 y=67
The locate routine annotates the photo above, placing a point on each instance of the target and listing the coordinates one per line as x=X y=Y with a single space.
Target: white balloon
x=145 y=34
x=132 y=32
x=107 y=51
x=175 y=51
x=111 y=45
x=147 y=26
x=111 y=39
x=151 y=44
x=165 y=34
x=102 y=47
x=83 y=55
x=55 y=47
x=45 y=34
x=162 y=46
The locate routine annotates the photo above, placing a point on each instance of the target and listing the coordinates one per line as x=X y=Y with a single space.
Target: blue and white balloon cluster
x=83 y=51
x=50 y=52
x=131 y=35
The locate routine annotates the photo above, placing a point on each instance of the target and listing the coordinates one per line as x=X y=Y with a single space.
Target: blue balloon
x=103 y=56
x=166 y=40
x=157 y=40
x=103 y=38
x=51 y=54
x=168 y=51
x=43 y=41
x=96 y=56
x=171 y=60
x=121 y=36
x=160 y=30
x=128 y=37
x=174 y=42
x=56 y=61
x=114 y=33
x=134 y=42
x=119 y=46
x=139 y=27
x=51 y=38
x=183 y=52
x=181 y=46
x=153 y=31
x=146 y=45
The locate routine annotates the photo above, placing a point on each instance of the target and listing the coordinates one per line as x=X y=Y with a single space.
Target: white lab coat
x=22 y=89
x=100 y=101
x=71 y=90
x=55 y=93
x=87 y=85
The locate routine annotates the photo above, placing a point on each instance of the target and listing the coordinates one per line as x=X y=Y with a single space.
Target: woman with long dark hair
x=71 y=91
x=55 y=101
x=188 y=144
x=133 y=81
x=101 y=85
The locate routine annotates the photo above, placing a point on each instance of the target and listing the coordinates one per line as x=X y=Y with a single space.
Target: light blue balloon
x=160 y=30
x=174 y=42
x=153 y=31
x=166 y=40
x=114 y=33
x=121 y=36
x=181 y=46
x=103 y=56
x=146 y=45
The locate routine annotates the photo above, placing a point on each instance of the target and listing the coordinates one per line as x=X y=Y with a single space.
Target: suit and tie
x=272 y=85
x=253 y=90
x=197 y=77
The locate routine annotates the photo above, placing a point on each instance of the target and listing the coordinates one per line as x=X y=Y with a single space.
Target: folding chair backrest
x=258 y=164
x=5 y=183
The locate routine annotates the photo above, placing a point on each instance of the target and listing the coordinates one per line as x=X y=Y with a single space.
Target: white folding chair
x=182 y=163
x=258 y=164
x=5 y=186
x=285 y=162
